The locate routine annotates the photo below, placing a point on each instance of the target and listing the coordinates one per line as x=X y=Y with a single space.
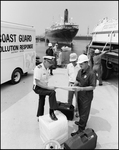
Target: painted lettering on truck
x=17 y=51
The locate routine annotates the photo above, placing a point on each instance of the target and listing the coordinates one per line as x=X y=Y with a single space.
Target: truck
x=17 y=49
x=105 y=38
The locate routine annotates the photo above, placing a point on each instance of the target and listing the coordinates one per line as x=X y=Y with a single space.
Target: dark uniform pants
x=42 y=94
x=84 y=105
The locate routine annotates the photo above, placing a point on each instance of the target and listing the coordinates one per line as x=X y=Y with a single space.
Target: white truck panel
x=17 y=49
x=106 y=37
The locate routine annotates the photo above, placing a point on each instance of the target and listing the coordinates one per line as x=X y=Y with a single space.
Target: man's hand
x=77 y=88
x=52 y=88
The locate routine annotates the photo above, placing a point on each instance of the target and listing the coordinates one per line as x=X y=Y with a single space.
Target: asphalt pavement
x=20 y=128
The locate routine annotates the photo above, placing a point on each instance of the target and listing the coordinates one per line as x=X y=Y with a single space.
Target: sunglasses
x=50 y=61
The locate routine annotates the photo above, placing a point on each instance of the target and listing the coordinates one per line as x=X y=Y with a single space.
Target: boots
x=77 y=132
x=52 y=115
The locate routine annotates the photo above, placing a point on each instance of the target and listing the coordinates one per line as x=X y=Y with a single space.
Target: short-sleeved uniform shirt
x=41 y=73
x=86 y=78
x=72 y=71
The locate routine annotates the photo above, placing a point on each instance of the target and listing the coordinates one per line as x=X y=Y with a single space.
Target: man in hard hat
x=97 y=64
x=40 y=86
x=72 y=70
x=50 y=52
x=86 y=83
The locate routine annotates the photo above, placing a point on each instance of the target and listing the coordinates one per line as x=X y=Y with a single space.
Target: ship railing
x=71 y=26
x=63 y=27
x=56 y=28
x=76 y=26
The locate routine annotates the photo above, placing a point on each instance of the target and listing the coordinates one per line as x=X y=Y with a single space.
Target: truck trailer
x=18 y=51
x=105 y=38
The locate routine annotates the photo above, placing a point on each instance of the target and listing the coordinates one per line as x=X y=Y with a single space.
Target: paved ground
x=20 y=129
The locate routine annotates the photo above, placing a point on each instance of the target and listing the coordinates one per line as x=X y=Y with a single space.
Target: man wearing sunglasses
x=40 y=86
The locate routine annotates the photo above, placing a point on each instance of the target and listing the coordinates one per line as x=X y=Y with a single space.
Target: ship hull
x=64 y=36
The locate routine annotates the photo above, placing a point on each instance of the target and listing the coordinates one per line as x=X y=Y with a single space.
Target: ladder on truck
x=101 y=47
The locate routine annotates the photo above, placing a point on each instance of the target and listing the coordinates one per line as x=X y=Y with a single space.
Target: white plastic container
x=53 y=130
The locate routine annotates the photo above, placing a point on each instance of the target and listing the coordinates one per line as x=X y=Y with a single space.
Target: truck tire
x=105 y=71
x=16 y=76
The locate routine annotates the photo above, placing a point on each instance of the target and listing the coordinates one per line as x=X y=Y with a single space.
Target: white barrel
x=53 y=130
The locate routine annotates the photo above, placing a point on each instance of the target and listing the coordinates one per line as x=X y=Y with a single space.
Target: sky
x=42 y=14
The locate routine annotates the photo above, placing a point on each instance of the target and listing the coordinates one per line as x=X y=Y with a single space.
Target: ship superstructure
x=62 y=32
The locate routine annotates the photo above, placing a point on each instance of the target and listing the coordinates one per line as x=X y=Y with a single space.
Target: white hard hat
x=73 y=57
x=63 y=47
x=97 y=51
x=49 y=44
x=82 y=58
